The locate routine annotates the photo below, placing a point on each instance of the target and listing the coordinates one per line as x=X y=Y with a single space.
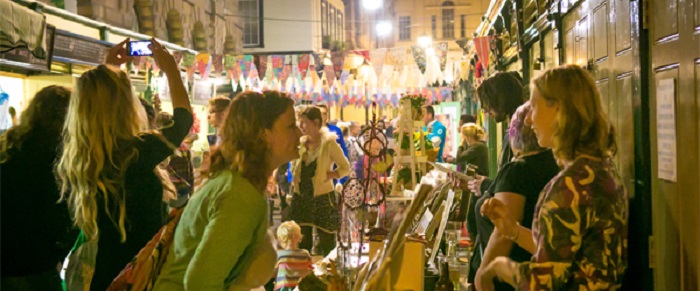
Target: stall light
x=425 y=40
x=372 y=4
x=384 y=28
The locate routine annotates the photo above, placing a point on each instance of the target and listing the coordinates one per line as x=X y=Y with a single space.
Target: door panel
x=697 y=15
x=623 y=25
x=581 y=39
x=625 y=130
x=569 y=45
x=665 y=204
x=600 y=31
x=675 y=49
x=665 y=18
x=603 y=89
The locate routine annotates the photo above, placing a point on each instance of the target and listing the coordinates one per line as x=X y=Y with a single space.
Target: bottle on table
x=444 y=283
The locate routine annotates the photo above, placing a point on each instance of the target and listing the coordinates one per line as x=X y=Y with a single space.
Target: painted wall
x=422 y=11
x=292 y=26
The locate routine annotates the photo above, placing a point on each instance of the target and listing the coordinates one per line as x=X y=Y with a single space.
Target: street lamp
x=384 y=28
x=372 y=4
x=425 y=40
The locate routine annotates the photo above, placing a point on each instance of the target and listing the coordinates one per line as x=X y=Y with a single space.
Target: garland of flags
x=349 y=78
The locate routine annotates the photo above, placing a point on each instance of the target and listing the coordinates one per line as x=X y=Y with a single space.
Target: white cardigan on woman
x=331 y=154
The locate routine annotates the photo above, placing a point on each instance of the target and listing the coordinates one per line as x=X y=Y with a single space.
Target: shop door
x=674 y=41
x=603 y=36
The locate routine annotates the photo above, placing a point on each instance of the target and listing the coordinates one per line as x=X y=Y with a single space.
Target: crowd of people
x=95 y=163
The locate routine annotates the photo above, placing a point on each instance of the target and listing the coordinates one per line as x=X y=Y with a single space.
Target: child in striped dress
x=292 y=263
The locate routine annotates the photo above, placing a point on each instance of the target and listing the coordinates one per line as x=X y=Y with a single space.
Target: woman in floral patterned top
x=579 y=233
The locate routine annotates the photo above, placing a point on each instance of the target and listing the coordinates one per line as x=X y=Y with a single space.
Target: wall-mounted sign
x=666 y=129
x=202 y=92
x=22 y=57
x=73 y=48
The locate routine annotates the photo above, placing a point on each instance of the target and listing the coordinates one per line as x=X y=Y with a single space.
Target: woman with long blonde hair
x=106 y=171
x=579 y=229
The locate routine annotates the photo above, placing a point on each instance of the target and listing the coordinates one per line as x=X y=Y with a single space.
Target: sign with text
x=73 y=48
x=666 y=129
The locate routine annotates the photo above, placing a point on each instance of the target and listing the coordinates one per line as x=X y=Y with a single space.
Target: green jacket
x=221 y=242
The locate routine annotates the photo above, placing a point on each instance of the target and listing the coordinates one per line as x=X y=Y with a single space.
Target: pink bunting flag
x=218 y=61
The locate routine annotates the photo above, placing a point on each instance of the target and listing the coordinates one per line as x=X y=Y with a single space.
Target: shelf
x=414 y=123
x=407 y=159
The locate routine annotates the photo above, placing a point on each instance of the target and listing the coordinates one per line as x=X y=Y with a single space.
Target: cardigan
x=221 y=242
x=330 y=154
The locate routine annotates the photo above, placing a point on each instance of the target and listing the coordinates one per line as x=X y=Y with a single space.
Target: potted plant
x=417 y=102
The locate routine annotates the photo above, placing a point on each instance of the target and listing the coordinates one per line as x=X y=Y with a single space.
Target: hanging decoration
x=174 y=25
x=199 y=37
x=419 y=57
x=304 y=61
x=145 y=16
x=441 y=53
x=483 y=46
x=218 y=63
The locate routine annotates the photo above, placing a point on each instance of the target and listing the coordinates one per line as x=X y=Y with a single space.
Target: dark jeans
x=326 y=241
x=49 y=281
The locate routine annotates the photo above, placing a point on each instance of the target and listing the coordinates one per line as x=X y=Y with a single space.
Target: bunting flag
x=261 y=64
x=218 y=63
x=230 y=61
x=177 y=55
x=277 y=65
x=482 y=46
x=398 y=56
x=187 y=60
x=432 y=69
x=253 y=74
x=207 y=71
x=329 y=75
x=378 y=57
x=245 y=62
x=337 y=59
x=304 y=61
x=441 y=52
x=202 y=61
x=318 y=63
x=269 y=75
x=419 y=57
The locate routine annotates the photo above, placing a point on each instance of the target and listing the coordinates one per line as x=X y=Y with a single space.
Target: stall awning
x=21 y=27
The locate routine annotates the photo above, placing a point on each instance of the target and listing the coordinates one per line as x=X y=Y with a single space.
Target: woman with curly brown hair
x=36 y=232
x=221 y=241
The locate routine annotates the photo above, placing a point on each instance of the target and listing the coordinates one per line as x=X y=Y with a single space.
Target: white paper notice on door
x=666 y=129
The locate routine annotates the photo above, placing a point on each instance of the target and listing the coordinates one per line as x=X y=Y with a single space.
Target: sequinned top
x=580 y=229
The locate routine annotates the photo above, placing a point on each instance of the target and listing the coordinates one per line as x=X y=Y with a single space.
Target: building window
x=433 y=26
x=339 y=26
x=252 y=22
x=331 y=25
x=324 y=24
x=462 y=26
x=448 y=20
x=405 y=28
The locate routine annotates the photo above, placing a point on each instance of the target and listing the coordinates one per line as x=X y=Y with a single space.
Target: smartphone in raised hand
x=139 y=48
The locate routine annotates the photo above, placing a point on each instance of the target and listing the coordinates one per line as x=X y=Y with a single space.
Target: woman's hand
x=474 y=185
x=484 y=279
x=332 y=175
x=162 y=57
x=118 y=55
x=502 y=268
x=497 y=212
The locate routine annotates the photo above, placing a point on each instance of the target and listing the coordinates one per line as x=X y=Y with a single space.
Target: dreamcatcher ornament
x=365 y=196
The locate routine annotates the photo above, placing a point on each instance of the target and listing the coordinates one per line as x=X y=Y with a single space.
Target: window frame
x=433 y=26
x=448 y=25
x=260 y=28
x=463 y=26
x=405 y=28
